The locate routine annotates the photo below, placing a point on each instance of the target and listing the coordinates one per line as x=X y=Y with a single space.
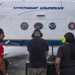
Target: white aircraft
x=19 y=18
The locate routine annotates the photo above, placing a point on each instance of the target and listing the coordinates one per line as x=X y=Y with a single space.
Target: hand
x=58 y=72
x=7 y=74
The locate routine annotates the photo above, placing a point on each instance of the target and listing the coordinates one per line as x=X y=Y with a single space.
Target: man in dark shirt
x=65 y=60
x=38 y=51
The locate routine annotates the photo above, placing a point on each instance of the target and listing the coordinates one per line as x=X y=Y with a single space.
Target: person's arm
x=47 y=49
x=46 y=53
x=57 y=65
x=28 y=45
x=3 y=67
x=2 y=63
x=58 y=60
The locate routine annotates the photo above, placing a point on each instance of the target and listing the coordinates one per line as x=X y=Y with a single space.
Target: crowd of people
x=38 y=51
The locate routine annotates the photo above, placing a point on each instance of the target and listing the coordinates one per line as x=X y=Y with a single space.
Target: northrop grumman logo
x=41 y=8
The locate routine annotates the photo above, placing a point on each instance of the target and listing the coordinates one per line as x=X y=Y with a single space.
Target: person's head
x=1 y=35
x=68 y=38
x=37 y=32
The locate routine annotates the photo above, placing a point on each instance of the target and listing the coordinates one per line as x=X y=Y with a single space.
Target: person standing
x=65 y=60
x=2 y=63
x=38 y=52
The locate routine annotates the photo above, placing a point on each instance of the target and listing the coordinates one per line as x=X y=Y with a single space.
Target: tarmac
x=17 y=65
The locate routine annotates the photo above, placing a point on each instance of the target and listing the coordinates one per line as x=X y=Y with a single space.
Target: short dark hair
x=37 y=30
x=1 y=31
x=69 y=37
